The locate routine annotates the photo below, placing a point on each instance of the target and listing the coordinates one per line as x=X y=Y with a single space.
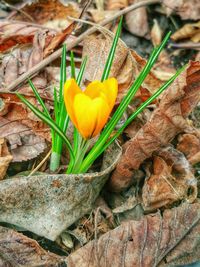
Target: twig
x=99 y=28
x=188 y=45
x=57 y=53
x=31 y=24
x=18 y=10
x=41 y=163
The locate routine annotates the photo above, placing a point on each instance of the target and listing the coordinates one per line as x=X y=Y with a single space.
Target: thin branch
x=79 y=39
x=186 y=45
x=41 y=163
x=18 y=10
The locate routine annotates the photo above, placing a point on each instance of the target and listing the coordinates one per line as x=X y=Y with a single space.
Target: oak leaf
x=166 y=122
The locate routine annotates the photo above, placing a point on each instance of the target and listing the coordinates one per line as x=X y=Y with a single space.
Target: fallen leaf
x=166 y=122
x=137 y=21
x=13 y=33
x=126 y=67
x=46 y=209
x=156 y=33
x=18 y=112
x=186 y=9
x=5 y=158
x=24 y=132
x=23 y=143
x=190 y=30
x=99 y=15
x=172 y=180
x=21 y=251
x=151 y=83
x=147 y=242
x=116 y=4
x=189 y=144
x=97 y=49
x=43 y=11
x=58 y=39
x=19 y=60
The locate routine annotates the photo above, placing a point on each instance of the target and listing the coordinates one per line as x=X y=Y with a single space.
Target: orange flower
x=89 y=110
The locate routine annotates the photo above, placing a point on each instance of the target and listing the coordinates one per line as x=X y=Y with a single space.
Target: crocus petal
x=110 y=90
x=93 y=89
x=102 y=116
x=71 y=89
x=86 y=115
x=89 y=110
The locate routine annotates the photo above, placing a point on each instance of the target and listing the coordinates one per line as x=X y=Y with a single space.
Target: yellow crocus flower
x=89 y=110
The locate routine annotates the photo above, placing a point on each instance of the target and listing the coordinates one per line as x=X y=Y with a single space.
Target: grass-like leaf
x=111 y=55
x=63 y=118
x=39 y=98
x=72 y=63
x=142 y=107
x=81 y=71
x=94 y=152
x=49 y=122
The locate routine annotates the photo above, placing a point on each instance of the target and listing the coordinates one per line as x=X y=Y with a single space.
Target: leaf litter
x=157 y=205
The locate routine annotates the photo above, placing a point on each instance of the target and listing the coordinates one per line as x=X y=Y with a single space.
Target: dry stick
x=58 y=53
x=18 y=10
x=41 y=163
x=188 y=45
x=31 y=24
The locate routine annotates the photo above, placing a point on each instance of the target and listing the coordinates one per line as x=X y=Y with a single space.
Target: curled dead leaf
x=156 y=33
x=5 y=158
x=97 y=49
x=126 y=67
x=166 y=122
x=189 y=144
x=21 y=128
x=147 y=242
x=19 y=250
x=48 y=204
x=190 y=30
x=137 y=21
x=116 y=4
x=43 y=11
x=187 y=9
x=172 y=180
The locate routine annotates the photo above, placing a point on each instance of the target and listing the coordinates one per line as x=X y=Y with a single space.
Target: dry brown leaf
x=99 y=15
x=187 y=9
x=190 y=30
x=13 y=33
x=137 y=21
x=164 y=69
x=126 y=67
x=24 y=132
x=145 y=243
x=18 y=250
x=43 y=11
x=48 y=204
x=189 y=144
x=23 y=143
x=19 y=61
x=97 y=49
x=156 y=33
x=58 y=39
x=172 y=180
x=166 y=122
x=116 y=4
x=151 y=83
x=5 y=158
x=15 y=111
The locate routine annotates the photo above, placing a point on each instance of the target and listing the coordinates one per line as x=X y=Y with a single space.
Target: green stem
x=82 y=150
x=54 y=161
